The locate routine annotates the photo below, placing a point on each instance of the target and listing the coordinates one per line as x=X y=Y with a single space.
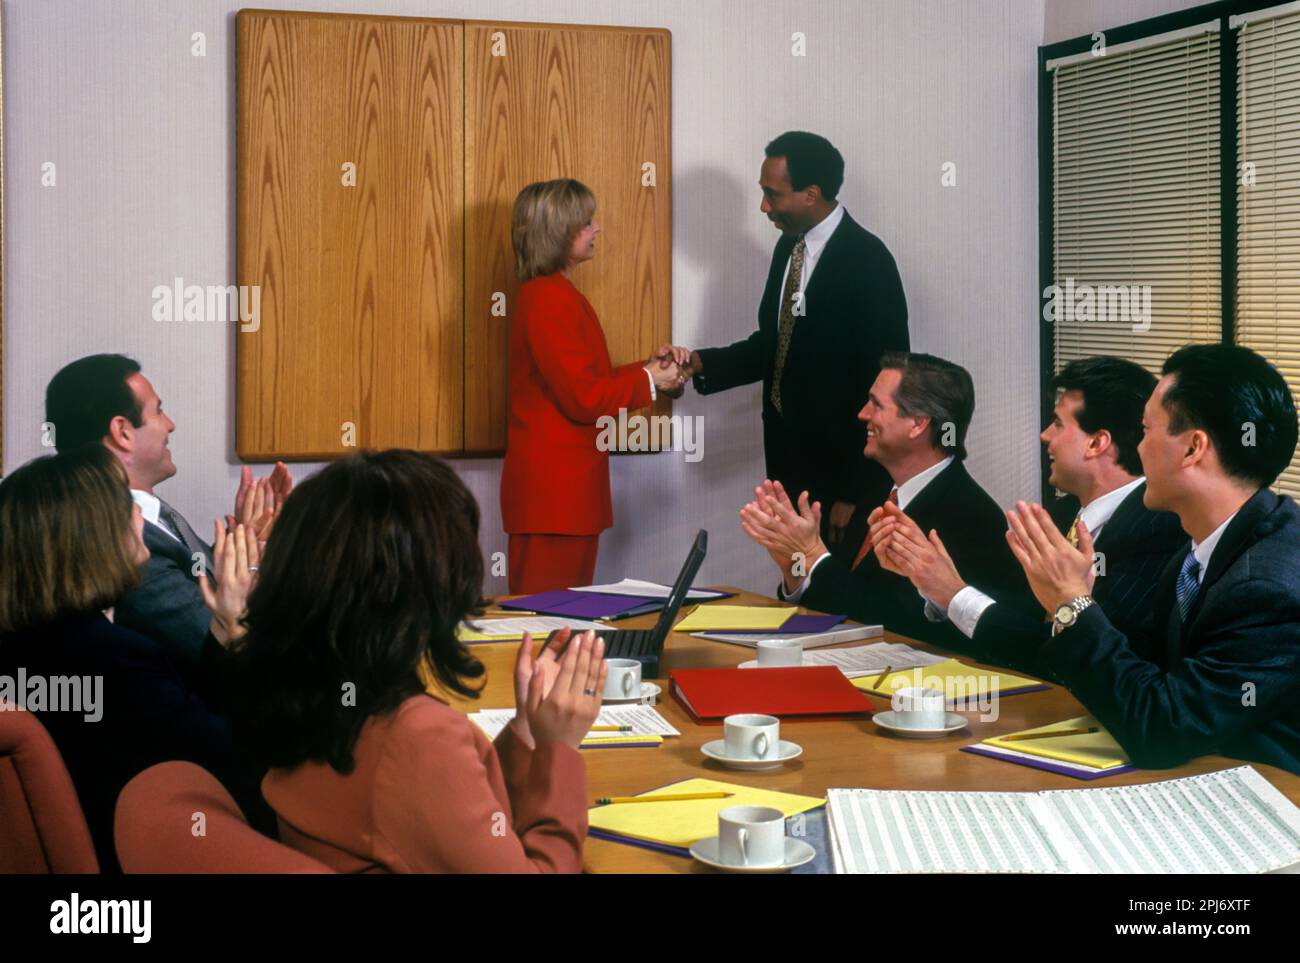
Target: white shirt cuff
x=653 y=393
x=797 y=594
x=932 y=611
x=966 y=608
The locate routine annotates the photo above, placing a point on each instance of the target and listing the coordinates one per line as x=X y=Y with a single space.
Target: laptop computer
x=647 y=645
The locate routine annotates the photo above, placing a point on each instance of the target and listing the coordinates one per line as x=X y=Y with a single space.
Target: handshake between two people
x=671 y=367
x=1056 y=570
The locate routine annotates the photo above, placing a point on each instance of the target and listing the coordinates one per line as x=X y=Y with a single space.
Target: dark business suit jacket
x=1227 y=680
x=1135 y=546
x=973 y=530
x=151 y=713
x=855 y=310
x=168 y=606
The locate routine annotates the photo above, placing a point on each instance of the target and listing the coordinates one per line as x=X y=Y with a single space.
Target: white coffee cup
x=750 y=736
x=624 y=679
x=916 y=708
x=751 y=836
x=773 y=652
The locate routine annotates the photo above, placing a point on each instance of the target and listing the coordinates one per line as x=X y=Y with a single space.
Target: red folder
x=813 y=691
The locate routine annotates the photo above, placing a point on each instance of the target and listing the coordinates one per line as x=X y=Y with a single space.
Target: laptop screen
x=683 y=584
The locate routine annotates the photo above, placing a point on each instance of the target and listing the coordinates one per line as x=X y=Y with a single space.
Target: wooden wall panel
x=361 y=286
x=565 y=101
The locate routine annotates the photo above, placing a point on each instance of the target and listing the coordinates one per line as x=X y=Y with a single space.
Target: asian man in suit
x=832 y=305
x=1216 y=668
x=916 y=417
x=1092 y=447
x=105 y=399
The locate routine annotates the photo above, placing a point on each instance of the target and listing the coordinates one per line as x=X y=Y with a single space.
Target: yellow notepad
x=682 y=823
x=1096 y=749
x=729 y=618
x=958 y=681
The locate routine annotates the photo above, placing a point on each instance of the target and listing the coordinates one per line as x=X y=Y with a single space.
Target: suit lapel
x=828 y=262
x=1122 y=521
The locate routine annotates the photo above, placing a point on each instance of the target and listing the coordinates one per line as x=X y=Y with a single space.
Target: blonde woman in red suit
x=555 y=498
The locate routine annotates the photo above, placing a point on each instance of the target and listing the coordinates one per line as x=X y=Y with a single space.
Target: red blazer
x=430 y=794
x=555 y=481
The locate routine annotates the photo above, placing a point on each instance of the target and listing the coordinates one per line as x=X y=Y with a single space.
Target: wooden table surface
x=836 y=754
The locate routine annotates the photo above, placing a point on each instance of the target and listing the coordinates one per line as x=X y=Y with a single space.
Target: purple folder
x=1047 y=765
x=796 y=625
x=578 y=605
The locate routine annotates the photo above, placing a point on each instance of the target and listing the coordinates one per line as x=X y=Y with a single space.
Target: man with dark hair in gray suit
x=104 y=399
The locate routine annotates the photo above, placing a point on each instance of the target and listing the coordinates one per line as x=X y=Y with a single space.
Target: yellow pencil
x=1022 y=736
x=611 y=728
x=880 y=680
x=606 y=800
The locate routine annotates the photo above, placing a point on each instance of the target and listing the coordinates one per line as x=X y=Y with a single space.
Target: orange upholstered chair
x=42 y=829
x=156 y=828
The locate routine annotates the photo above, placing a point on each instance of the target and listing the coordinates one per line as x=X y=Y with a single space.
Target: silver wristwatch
x=1067 y=614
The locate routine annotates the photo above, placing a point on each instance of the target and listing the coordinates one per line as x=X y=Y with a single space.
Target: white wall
x=142 y=134
x=1067 y=19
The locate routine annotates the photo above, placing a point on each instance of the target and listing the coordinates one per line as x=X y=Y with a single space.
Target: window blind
x=1136 y=212
x=1268 y=199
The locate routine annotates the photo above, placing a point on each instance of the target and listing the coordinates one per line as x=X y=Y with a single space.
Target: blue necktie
x=1188 y=585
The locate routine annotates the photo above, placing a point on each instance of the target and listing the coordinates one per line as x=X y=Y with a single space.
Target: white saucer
x=797 y=852
x=648 y=691
x=717 y=751
x=886 y=721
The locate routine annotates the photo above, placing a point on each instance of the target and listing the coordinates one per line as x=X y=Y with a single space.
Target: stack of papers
x=674 y=826
x=648 y=726
x=1232 y=821
x=649 y=590
x=1084 y=755
x=504 y=630
x=872 y=659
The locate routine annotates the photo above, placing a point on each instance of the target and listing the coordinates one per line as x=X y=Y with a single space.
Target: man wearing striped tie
x=1216 y=668
x=832 y=305
x=104 y=399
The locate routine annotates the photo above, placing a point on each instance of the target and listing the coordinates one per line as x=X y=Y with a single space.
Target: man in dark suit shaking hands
x=1216 y=668
x=832 y=305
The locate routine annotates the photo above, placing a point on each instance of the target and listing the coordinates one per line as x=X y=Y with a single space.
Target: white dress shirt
x=814 y=242
x=150 y=507
x=906 y=493
x=969 y=604
x=1205 y=549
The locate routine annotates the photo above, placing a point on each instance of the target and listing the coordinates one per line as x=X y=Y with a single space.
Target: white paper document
x=649 y=590
x=851 y=633
x=645 y=721
x=539 y=625
x=1232 y=821
x=872 y=659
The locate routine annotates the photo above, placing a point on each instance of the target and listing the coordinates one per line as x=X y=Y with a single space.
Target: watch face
x=1065 y=614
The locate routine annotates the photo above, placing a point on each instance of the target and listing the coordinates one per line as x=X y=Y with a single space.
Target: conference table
x=836 y=753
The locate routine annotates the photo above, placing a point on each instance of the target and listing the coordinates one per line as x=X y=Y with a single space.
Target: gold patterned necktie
x=1072 y=536
x=788 y=296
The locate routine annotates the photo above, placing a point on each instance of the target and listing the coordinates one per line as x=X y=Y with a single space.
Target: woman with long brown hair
x=373 y=564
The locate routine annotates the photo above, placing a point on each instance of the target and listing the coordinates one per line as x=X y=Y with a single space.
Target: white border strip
x=1210 y=26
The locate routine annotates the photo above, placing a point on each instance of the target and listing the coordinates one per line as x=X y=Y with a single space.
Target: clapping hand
x=258 y=503
x=902 y=548
x=792 y=537
x=561 y=703
x=235 y=560
x=1057 y=571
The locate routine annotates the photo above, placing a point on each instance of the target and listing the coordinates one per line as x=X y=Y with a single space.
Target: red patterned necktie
x=866 y=542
